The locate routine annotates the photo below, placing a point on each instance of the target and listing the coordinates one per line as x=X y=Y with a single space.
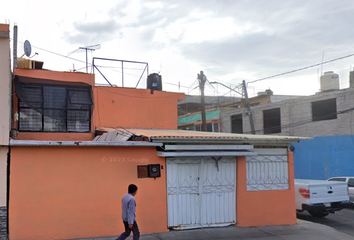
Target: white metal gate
x=201 y=192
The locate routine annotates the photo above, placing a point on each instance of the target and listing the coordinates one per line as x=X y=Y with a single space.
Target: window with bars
x=267 y=173
x=54 y=108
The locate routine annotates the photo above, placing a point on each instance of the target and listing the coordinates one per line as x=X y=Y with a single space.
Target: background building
x=326 y=116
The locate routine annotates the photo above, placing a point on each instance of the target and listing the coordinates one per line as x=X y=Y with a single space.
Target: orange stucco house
x=75 y=148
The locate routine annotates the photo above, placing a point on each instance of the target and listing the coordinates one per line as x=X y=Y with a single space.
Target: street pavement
x=342 y=221
x=304 y=230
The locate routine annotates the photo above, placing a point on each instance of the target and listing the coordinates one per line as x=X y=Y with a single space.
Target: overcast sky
x=229 y=40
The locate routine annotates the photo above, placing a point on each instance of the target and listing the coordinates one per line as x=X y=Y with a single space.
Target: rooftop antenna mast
x=90 y=48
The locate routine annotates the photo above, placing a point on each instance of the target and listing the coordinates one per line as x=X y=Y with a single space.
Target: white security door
x=218 y=191
x=201 y=192
x=183 y=193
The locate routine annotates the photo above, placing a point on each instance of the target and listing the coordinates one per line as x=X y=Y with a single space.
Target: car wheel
x=318 y=213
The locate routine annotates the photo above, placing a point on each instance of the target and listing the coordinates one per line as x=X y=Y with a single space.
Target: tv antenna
x=90 y=48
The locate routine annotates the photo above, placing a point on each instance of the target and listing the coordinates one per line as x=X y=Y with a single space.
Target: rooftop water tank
x=154 y=82
x=329 y=81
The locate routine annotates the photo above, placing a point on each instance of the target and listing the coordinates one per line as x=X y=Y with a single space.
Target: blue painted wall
x=324 y=157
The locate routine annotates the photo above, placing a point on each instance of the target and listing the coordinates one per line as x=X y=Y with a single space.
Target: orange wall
x=4 y=27
x=261 y=208
x=135 y=108
x=46 y=136
x=113 y=106
x=70 y=77
x=75 y=192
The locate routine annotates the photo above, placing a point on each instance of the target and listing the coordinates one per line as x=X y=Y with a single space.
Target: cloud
x=93 y=32
x=279 y=36
x=257 y=38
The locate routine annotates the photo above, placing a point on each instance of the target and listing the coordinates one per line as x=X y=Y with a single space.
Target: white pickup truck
x=320 y=197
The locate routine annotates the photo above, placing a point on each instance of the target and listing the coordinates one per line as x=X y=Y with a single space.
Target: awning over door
x=206 y=151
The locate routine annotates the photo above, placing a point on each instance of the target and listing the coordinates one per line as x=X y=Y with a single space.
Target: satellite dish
x=27 y=47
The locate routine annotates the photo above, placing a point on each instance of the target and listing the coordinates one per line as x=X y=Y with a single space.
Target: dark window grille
x=216 y=127
x=54 y=108
x=237 y=123
x=272 y=121
x=324 y=110
x=211 y=127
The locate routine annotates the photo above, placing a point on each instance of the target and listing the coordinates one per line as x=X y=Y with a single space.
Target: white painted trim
x=84 y=143
x=271 y=151
x=205 y=154
x=208 y=147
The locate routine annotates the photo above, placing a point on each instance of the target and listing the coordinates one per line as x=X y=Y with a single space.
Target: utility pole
x=250 y=116
x=202 y=80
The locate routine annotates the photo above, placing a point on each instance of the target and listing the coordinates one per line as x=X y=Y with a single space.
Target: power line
x=58 y=54
x=173 y=84
x=193 y=83
x=222 y=81
x=303 y=68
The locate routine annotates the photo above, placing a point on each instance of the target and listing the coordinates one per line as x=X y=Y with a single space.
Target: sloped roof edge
x=167 y=135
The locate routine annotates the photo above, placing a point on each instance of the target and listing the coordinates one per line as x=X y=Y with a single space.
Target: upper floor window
x=236 y=123
x=255 y=104
x=324 y=110
x=54 y=108
x=272 y=121
x=211 y=127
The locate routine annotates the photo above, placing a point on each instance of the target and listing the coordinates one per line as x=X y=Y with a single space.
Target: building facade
x=189 y=117
x=326 y=116
x=193 y=121
x=5 y=116
x=73 y=189
x=75 y=147
x=67 y=179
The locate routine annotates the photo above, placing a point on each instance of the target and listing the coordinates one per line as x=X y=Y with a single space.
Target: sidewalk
x=302 y=231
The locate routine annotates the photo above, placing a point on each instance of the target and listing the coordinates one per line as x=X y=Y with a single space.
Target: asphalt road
x=342 y=221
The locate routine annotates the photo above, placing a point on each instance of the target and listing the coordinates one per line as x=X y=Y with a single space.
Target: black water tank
x=154 y=82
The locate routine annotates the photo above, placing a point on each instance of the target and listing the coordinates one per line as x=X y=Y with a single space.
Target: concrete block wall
x=3 y=223
x=296 y=116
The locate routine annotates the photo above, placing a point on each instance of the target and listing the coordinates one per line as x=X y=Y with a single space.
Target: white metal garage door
x=201 y=192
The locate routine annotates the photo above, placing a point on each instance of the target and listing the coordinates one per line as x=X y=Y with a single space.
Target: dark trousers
x=135 y=229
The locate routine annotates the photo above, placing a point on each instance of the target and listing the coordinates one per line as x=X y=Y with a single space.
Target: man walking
x=129 y=215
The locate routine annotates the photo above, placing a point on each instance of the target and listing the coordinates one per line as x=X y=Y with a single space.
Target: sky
x=229 y=40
